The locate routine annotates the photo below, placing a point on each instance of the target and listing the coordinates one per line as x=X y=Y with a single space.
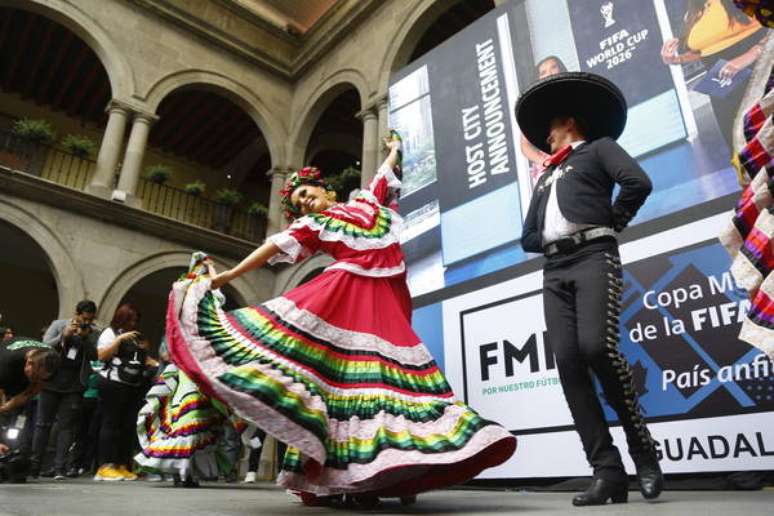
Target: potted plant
x=196 y=188
x=160 y=174
x=258 y=213
x=344 y=182
x=257 y=210
x=31 y=134
x=34 y=130
x=228 y=196
x=225 y=198
x=80 y=146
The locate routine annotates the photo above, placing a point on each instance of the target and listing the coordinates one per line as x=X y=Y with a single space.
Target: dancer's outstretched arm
x=392 y=156
x=254 y=260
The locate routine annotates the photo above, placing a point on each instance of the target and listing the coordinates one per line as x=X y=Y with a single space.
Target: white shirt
x=106 y=338
x=555 y=226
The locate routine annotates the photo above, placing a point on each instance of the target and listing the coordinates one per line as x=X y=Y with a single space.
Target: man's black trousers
x=65 y=408
x=582 y=302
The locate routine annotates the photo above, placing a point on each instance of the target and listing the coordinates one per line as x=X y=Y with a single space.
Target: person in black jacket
x=25 y=366
x=571 y=219
x=75 y=339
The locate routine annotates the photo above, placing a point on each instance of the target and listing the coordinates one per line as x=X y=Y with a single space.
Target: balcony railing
x=64 y=168
x=179 y=205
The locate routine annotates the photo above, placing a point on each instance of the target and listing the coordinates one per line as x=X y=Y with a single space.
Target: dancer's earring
x=331 y=195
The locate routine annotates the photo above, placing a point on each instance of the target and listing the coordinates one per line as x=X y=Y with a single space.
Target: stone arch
x=317 y=102
x=77 y=20
x=338 y=142
x=70 y=285
x=402 y=44
x=273 y=129
x=291 y=277
x=130 y=276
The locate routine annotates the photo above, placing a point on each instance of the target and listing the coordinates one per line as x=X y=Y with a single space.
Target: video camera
x=14 y=465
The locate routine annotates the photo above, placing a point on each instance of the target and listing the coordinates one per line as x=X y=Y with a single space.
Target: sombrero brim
x=588 y=96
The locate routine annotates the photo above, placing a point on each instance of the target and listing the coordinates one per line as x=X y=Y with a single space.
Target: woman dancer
x=333 y=368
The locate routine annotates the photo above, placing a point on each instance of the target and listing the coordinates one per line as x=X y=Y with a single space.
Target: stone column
x=370 y=145
x=135 y=150
x=384 y=126
x=109 y=151
x=275 y=220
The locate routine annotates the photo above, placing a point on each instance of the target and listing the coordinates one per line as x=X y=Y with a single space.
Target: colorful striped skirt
x=749 y=236
x=334 y=370
x=179 y=429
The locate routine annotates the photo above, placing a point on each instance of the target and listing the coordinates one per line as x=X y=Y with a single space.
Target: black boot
x=34 y=471
x=650 y=478
x=601 y=490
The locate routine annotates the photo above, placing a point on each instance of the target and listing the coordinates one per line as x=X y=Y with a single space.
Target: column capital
x=280 y=173
x=382 y=101
x=369 y=113
x=118 y=106
x=145 y=117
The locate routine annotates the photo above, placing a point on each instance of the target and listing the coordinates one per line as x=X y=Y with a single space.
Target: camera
x=131 y=346
x=14 y=465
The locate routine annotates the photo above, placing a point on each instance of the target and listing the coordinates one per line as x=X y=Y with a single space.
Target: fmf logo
x=510 y=354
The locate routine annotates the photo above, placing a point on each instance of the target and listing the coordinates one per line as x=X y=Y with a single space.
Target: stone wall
x=99 y=250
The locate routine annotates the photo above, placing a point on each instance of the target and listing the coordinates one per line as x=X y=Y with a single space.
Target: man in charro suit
x=573 y=221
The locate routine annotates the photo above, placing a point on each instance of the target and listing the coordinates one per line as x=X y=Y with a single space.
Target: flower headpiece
x=305 y=176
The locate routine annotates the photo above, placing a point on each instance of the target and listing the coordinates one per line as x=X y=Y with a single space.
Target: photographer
x=13 y=465
x=125 y=354
x=25 y=365
x=6 y=334
x=61 y=400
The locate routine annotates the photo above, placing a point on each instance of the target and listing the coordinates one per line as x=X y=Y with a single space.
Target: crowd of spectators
x=69 y=400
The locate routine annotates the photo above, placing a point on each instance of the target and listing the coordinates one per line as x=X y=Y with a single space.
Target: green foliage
x=228 y=196
x=81 y=146
x=159 y=174
x=344 y=182
x=195 y=188
x=258 y=209
x=39 y=131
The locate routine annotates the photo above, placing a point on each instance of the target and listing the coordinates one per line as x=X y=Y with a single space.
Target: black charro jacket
x=584 y=191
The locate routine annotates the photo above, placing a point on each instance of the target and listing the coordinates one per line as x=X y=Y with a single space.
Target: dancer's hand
x=210 y=267
x=220 y=279
x=391 y=144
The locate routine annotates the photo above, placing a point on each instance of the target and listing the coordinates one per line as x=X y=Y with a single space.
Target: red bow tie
x=559 y=156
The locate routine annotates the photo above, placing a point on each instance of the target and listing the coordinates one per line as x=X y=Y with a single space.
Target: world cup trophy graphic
x=607 y=13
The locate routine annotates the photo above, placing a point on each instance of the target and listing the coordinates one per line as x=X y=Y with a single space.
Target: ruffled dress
x=180 y=429
x=749 y=238
x=333 y=368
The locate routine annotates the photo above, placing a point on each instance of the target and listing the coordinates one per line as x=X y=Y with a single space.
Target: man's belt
x=570 y=243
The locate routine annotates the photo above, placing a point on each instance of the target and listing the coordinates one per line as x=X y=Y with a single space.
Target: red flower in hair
x=305 y=176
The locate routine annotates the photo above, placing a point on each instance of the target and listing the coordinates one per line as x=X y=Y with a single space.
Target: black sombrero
x=594 y=99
